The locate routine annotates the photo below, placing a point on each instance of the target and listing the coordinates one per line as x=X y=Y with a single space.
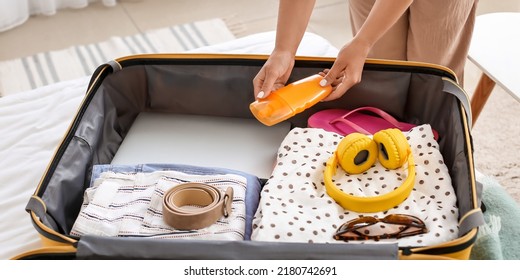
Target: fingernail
x=323 y=82
x=260 y=94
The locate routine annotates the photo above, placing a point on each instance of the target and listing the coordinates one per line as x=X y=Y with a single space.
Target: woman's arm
x=351 y=58
x=293 y=18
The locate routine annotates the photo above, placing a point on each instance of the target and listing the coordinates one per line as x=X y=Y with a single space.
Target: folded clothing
x=130 y=205
x=253 y=188
x=295 y=207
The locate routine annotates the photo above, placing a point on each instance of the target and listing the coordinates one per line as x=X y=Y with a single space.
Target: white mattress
x=32 y=124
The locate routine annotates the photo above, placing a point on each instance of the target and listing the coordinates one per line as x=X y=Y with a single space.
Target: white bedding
x=32 y=124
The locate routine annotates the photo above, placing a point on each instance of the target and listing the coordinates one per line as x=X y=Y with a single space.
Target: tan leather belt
x=195 y=205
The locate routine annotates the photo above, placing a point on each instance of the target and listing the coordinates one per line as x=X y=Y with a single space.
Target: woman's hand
x=274 y=74
x=346 y=70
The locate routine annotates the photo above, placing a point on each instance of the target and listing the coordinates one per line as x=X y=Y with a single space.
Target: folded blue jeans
x=253 y=188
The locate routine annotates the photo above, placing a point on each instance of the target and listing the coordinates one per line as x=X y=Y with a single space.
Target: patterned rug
x=77 y=61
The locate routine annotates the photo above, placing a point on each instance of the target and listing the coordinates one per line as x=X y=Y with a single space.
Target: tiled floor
x=97 y=23
x=329 y=19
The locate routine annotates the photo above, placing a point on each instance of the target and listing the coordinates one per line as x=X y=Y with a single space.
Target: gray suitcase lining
x=224 y=88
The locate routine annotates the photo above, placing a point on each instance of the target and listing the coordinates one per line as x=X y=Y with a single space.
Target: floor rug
x=77 y=61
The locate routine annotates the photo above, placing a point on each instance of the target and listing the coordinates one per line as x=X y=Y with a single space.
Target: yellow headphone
x=356 y=153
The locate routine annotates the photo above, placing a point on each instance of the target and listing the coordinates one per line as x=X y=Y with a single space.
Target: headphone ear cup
x=356 y=153
x=392 y=147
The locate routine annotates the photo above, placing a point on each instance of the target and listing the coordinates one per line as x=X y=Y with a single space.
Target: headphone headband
x=372 y=203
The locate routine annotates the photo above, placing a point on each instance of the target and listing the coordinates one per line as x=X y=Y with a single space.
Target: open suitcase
x=178 y=83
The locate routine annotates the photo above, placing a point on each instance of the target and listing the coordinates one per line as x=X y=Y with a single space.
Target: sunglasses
x=372 y=228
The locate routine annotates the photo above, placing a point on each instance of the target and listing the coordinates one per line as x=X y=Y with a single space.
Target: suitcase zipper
x=444 y=250
x=231 y=59
x=72 y=128
x=42 y=228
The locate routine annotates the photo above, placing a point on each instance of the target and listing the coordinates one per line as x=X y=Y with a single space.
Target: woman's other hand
x=274 y=74
x=346 y=70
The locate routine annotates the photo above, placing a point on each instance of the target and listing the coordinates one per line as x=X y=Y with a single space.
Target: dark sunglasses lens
x=357 y=223
x=391 y=226
x=403 y=220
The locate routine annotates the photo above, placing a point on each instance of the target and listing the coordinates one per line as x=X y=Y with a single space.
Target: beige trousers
x=432 y=31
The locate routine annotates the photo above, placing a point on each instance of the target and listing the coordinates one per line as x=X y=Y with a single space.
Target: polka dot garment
x=294 y=205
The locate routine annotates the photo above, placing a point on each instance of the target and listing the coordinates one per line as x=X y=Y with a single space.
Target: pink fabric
x=344 y=122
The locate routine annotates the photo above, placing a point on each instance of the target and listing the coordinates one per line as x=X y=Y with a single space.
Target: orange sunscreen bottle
x=290 y=100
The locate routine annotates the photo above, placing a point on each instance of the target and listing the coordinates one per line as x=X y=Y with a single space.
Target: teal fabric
x=499 y=238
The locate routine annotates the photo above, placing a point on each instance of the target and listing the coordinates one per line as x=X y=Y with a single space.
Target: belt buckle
x=226 y=205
